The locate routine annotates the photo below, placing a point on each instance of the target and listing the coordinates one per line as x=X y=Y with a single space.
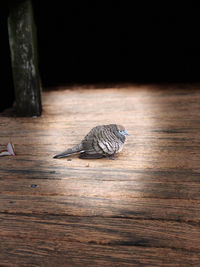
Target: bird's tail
x=69 y=151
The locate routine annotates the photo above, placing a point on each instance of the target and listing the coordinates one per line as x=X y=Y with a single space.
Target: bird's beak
x=126 y=133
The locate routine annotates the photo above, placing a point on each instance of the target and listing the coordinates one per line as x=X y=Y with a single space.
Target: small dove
x=101 y=141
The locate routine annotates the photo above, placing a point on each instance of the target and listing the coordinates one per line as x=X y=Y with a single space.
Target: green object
x=23 y=47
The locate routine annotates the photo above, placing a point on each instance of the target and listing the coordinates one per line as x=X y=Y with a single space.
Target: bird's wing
x=100 y=140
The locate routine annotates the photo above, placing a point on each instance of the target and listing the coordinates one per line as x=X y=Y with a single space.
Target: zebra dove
x=101 y=141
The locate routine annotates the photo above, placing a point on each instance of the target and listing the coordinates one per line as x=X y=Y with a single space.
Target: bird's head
x=122 y=130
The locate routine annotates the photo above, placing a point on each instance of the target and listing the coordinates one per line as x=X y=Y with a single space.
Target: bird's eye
x=124 y=132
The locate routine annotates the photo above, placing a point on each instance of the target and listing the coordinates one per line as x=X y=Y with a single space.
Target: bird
x=101 y=141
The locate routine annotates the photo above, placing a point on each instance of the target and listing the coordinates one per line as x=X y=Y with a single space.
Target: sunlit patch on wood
x=133 y=210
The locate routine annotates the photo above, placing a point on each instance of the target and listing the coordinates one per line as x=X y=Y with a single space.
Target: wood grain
x=48 y=253
x=142 y=209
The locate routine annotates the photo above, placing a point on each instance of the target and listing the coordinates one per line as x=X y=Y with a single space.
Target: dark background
x=97 y=41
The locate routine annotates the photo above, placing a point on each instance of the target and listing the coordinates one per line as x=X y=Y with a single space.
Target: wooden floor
x=142 y=209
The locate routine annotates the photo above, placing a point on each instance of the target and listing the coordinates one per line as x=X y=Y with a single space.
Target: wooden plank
x=100 y=188
x=73 y=168
x=137 y=208
x=25 y=252
x=104 y=231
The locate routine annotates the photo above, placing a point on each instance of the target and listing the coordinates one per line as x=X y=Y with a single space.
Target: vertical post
x=23 y=47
